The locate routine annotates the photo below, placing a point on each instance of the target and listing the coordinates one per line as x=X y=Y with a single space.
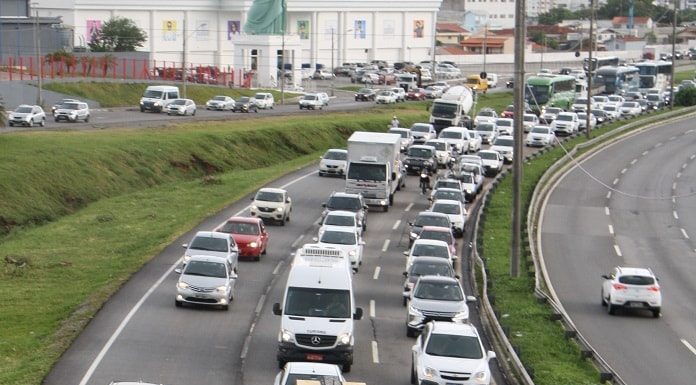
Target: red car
x=440 y=234
x=250 y=235
x=509 y=112
x=416 y=94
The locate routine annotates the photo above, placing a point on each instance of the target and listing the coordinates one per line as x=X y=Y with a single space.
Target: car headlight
x=413 y=235
x=469 y=191
x=183 y=285
x=461 y=316
x=414 y=312
x=141 y=103
x=344 y=339
x=481 y=377
x=157 y=104
x=352 y=253
x=253 y=207
x=187 y=258
x=429 y=372
x=221 y=289
x=280 y=209
x=286 y=336
x=253 y=245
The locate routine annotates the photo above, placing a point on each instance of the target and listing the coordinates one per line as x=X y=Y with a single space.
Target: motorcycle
x=424 y=182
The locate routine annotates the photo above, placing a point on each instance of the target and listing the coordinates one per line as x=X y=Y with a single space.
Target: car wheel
x=346 y=368
x=43 y=122
x=12 y=124
x=31 y=123
x=87 y=119
x=194 y=113
x=282 y=222
x=178 y=303
x=410 y=332
x=55 y=120
x=281 y=364
x=656 y=312
x=610 y=308
x=413 y=374
x=142 y=109
x=404 y=302
x=287 y=219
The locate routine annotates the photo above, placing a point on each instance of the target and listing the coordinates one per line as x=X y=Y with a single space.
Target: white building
x=347 y=31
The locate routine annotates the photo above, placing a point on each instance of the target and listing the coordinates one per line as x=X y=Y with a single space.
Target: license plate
x=451 y=383
x=636 y=304
x=200 y=296
x=315 y=357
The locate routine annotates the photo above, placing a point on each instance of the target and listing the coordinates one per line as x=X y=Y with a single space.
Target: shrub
x=686 y=97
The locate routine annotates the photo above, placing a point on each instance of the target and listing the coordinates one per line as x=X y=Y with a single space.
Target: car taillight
x=654 y=288
x=619 y=286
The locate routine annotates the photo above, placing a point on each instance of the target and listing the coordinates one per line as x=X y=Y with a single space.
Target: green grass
x=683 y=75
x=495 y=100
x=543 y=348
x=113 y=94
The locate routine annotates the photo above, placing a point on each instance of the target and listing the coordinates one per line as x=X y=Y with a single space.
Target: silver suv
x=72 y=112
x=436 y=298
x=26 y=115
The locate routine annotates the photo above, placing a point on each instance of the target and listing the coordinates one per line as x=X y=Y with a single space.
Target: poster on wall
x=93 y=28
x=303 y=29
x=360 y=28
x=202 y=30
x=388 y=29
x=232 y=28
x=418 y=26
x=169 y=30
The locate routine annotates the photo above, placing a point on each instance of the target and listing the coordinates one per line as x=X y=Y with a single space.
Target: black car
x=420 y=158
x=655 y=102
x=245 y=104
x=365 y=94
x=601 y=116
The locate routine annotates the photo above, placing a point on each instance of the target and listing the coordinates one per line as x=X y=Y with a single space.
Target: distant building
x=625 y=43
x=450 y=33
x=621 y=22
x=17 y=26
x=492 y=45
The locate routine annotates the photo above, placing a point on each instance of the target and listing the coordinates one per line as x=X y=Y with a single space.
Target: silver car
x=436 y=298
x=26 y=115
x=206 y=280
x=181 y=107
x=220 y=103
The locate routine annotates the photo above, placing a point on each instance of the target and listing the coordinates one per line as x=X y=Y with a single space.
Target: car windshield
x=451 y=135
x=446 y=184
x=293 y=378
x=565 y=118
x=598 y=113
x=540 y=130
x=430 y=268
x=653 y=97
x=426 y=250
x=209 y=244
x=529 y=118
x=240 y=228
x=269 y=196
x=432 y=220
x=365 y=91
x=385 y=93
x=441 y=291
x=553 y=110
x=580 y=101
x=338 y=238
x=466 y=178
x=446 y=345
x=641 y=280
x=629 y=104
x=446 y=208
x=244 y=99
x=504 y=142
x=439 y=146
x=336 y=155
x=488 y=155
x=444 y=110
x=420 y=128
x=179 y=102
x=609 y=108
x=615 y=98
x=70 y=106
x=259 y=96
x=152 y=94
x=340 y=220
x=419 y=152
x=504 y=123
x=486 y=127
x=486 y=113
x=310 y=97
x=206 y=269
x=219 y=98
x=344 y=203
x=315 y=302
x=445 y=236
x=402 y=133
x=23 y=110
x=448 y=194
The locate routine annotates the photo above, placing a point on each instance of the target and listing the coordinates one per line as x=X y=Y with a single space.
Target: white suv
x=631 y=288
x=273 y=204
x=72 y=112
x=26 y=115
x=450 y=353
x=264 y=100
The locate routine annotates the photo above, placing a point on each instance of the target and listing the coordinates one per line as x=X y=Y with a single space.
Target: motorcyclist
x=425 y=181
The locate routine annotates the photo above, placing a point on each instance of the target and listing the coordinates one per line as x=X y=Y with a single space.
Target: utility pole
x=332 y=60
x=485 y=42
x=281 y=76
x=518 y=130
x=543 y=49
x=183 y=58
x=674 y=59
x=37 y=52
x=589 y=71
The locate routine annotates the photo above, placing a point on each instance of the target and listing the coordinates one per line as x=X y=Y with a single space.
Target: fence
x=20 y=68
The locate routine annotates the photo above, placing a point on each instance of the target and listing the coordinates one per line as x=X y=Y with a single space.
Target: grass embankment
x=128 y=94
x=114 y=199
x=552 y=359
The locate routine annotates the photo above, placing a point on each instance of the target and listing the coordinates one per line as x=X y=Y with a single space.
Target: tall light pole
x=485 y=43
x=183 y=59
x=589 y=71
x=520 y=38
x=674 y=59
x=333 y=32
x=543 y=49
x=37 y=52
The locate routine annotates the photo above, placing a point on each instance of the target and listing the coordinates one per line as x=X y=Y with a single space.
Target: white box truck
x=318 y=309
x=374 y=168
x=452 y=108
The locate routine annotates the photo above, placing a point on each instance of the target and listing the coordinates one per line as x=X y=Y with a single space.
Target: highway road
x=633 y=206
x=140 y=334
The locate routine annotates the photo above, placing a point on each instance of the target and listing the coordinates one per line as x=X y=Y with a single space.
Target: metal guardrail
x=513 y=367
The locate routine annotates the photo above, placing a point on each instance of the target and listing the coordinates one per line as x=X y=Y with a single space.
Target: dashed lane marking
x=386 y=245
x=688 y=346
x=624 y=170
x=684 y=233
x=611 y=229
x=608 y=194
x=396 y=224
x=408 y=208
x=277 y=268
x=674 y=213
x=616 y=181
x=376 y=274
x=606 y=210
x=296 y=241
x=634 y=161
x=617 y=250
x=372 y=308
x=375 y=353
x=259 y=305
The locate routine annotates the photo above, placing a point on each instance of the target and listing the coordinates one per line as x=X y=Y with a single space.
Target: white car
x=457 y=137
x=323 y=74
x=206 y=280
x=428 y=248
x=504 y=126
x=505 y=146
x=616 y=100
x=492 y=162
x=582 y=121
x=220 y=103
x=487 y=131
x=469 y=186
x=62 y=101
x=455 y=211
x=612 y=110
x=333 y=162
x=72 y=112
x=212 y=243
x=181 y=107
x=540 y=136
x=529 y=121
x=310 y=371
x=445 y=183
x=26 y=115
x=433 y=92
x=549 y=114
x=311 y=101
x=443 y=151
x=423 y=132
x=342 y=218
x=566 y=123
x=475 y=141
x=630 y=109
x=485 y=115
x=273 y=204
x=400 y=94
x=580 y=104
x=405 y=134
x=599 y=101
x=450 y=353
x=631 y=288
x=385 y=97
x=347 y=239
x=264 y=100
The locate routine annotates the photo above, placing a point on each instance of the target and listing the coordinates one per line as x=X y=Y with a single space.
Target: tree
x=686 y=97
x=555 y=16
x=118 y=34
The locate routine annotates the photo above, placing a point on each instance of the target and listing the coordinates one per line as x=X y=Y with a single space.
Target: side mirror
x=177 y=270
x=605 y=276
x=358 y=313
x=185 y=245
x=470 y=298
x=323 y=204
x=288 y=200
x=406 y=253
x=405 y=273
x=315 y=239
x=457 y=276
x=276 y=309
x=491 y=354
x=366 y=207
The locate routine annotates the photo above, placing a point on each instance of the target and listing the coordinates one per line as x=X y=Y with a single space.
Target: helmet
x=394 y=117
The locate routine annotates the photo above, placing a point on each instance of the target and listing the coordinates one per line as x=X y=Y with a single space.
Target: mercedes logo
x=316 y=340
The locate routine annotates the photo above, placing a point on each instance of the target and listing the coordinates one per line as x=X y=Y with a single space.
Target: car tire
x=55 y=120
x=287 y=219
x=12 y=124
x=656 y=312
x=346 y=367
x=142 y=109
x=413 y=374
x=87 y=119
x=282 y=222
x=281 y=364
x=178 y=303
x=611 y=309
x=385 y=208
x=404 y=302
x=410 y=333
x=194 y=113
x=604 y=302
x=31 y=123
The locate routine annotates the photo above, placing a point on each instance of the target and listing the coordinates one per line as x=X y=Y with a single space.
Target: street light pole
x=518 y=131
x=37 y=52
x=332 y=60
x=485 y=42
x=183 y=58
x=674 y=58
x=589 y=71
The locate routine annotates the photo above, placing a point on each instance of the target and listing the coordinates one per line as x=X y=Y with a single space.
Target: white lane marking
x=634 y=161
x=672 y=138
x=685 y=165
x=296 y=241
x=375 y=353
x=396 y=225
x=372 y=308
x=611 y=229
x=409 y=206
x=136 y=307
x=245 y=349
x=684 y=233
x=690 y=131
x=608 y=194
x=617 y=250
x=259 y=305
x=674 y=213
x=678 y=175
x=606 y=210
x=624 y=170
x=674 y=200
x=277 y=268
x=616 y=181
x=674 y=186
x=688 y=346
x=692 y=157
x=386 y=245
x=645 y=152
x=376 y=274
x=658 y=145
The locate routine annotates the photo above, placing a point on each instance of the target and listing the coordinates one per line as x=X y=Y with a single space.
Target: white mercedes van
x=318 y=309
x=157 y=98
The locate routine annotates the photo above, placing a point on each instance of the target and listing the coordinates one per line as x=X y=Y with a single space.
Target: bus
x=598 y=62
x=654 y=74
x=617 y=80
x=550 y=91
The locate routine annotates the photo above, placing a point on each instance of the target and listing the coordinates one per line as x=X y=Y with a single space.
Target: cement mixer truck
x=452 y=108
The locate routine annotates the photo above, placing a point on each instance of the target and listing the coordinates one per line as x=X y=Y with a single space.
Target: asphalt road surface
x=635 y=208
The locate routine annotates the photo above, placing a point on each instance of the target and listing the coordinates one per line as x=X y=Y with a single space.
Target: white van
x=157 y=98
x=492 y=80
x=264 y=100
x=457 y=137
x=318 y=309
